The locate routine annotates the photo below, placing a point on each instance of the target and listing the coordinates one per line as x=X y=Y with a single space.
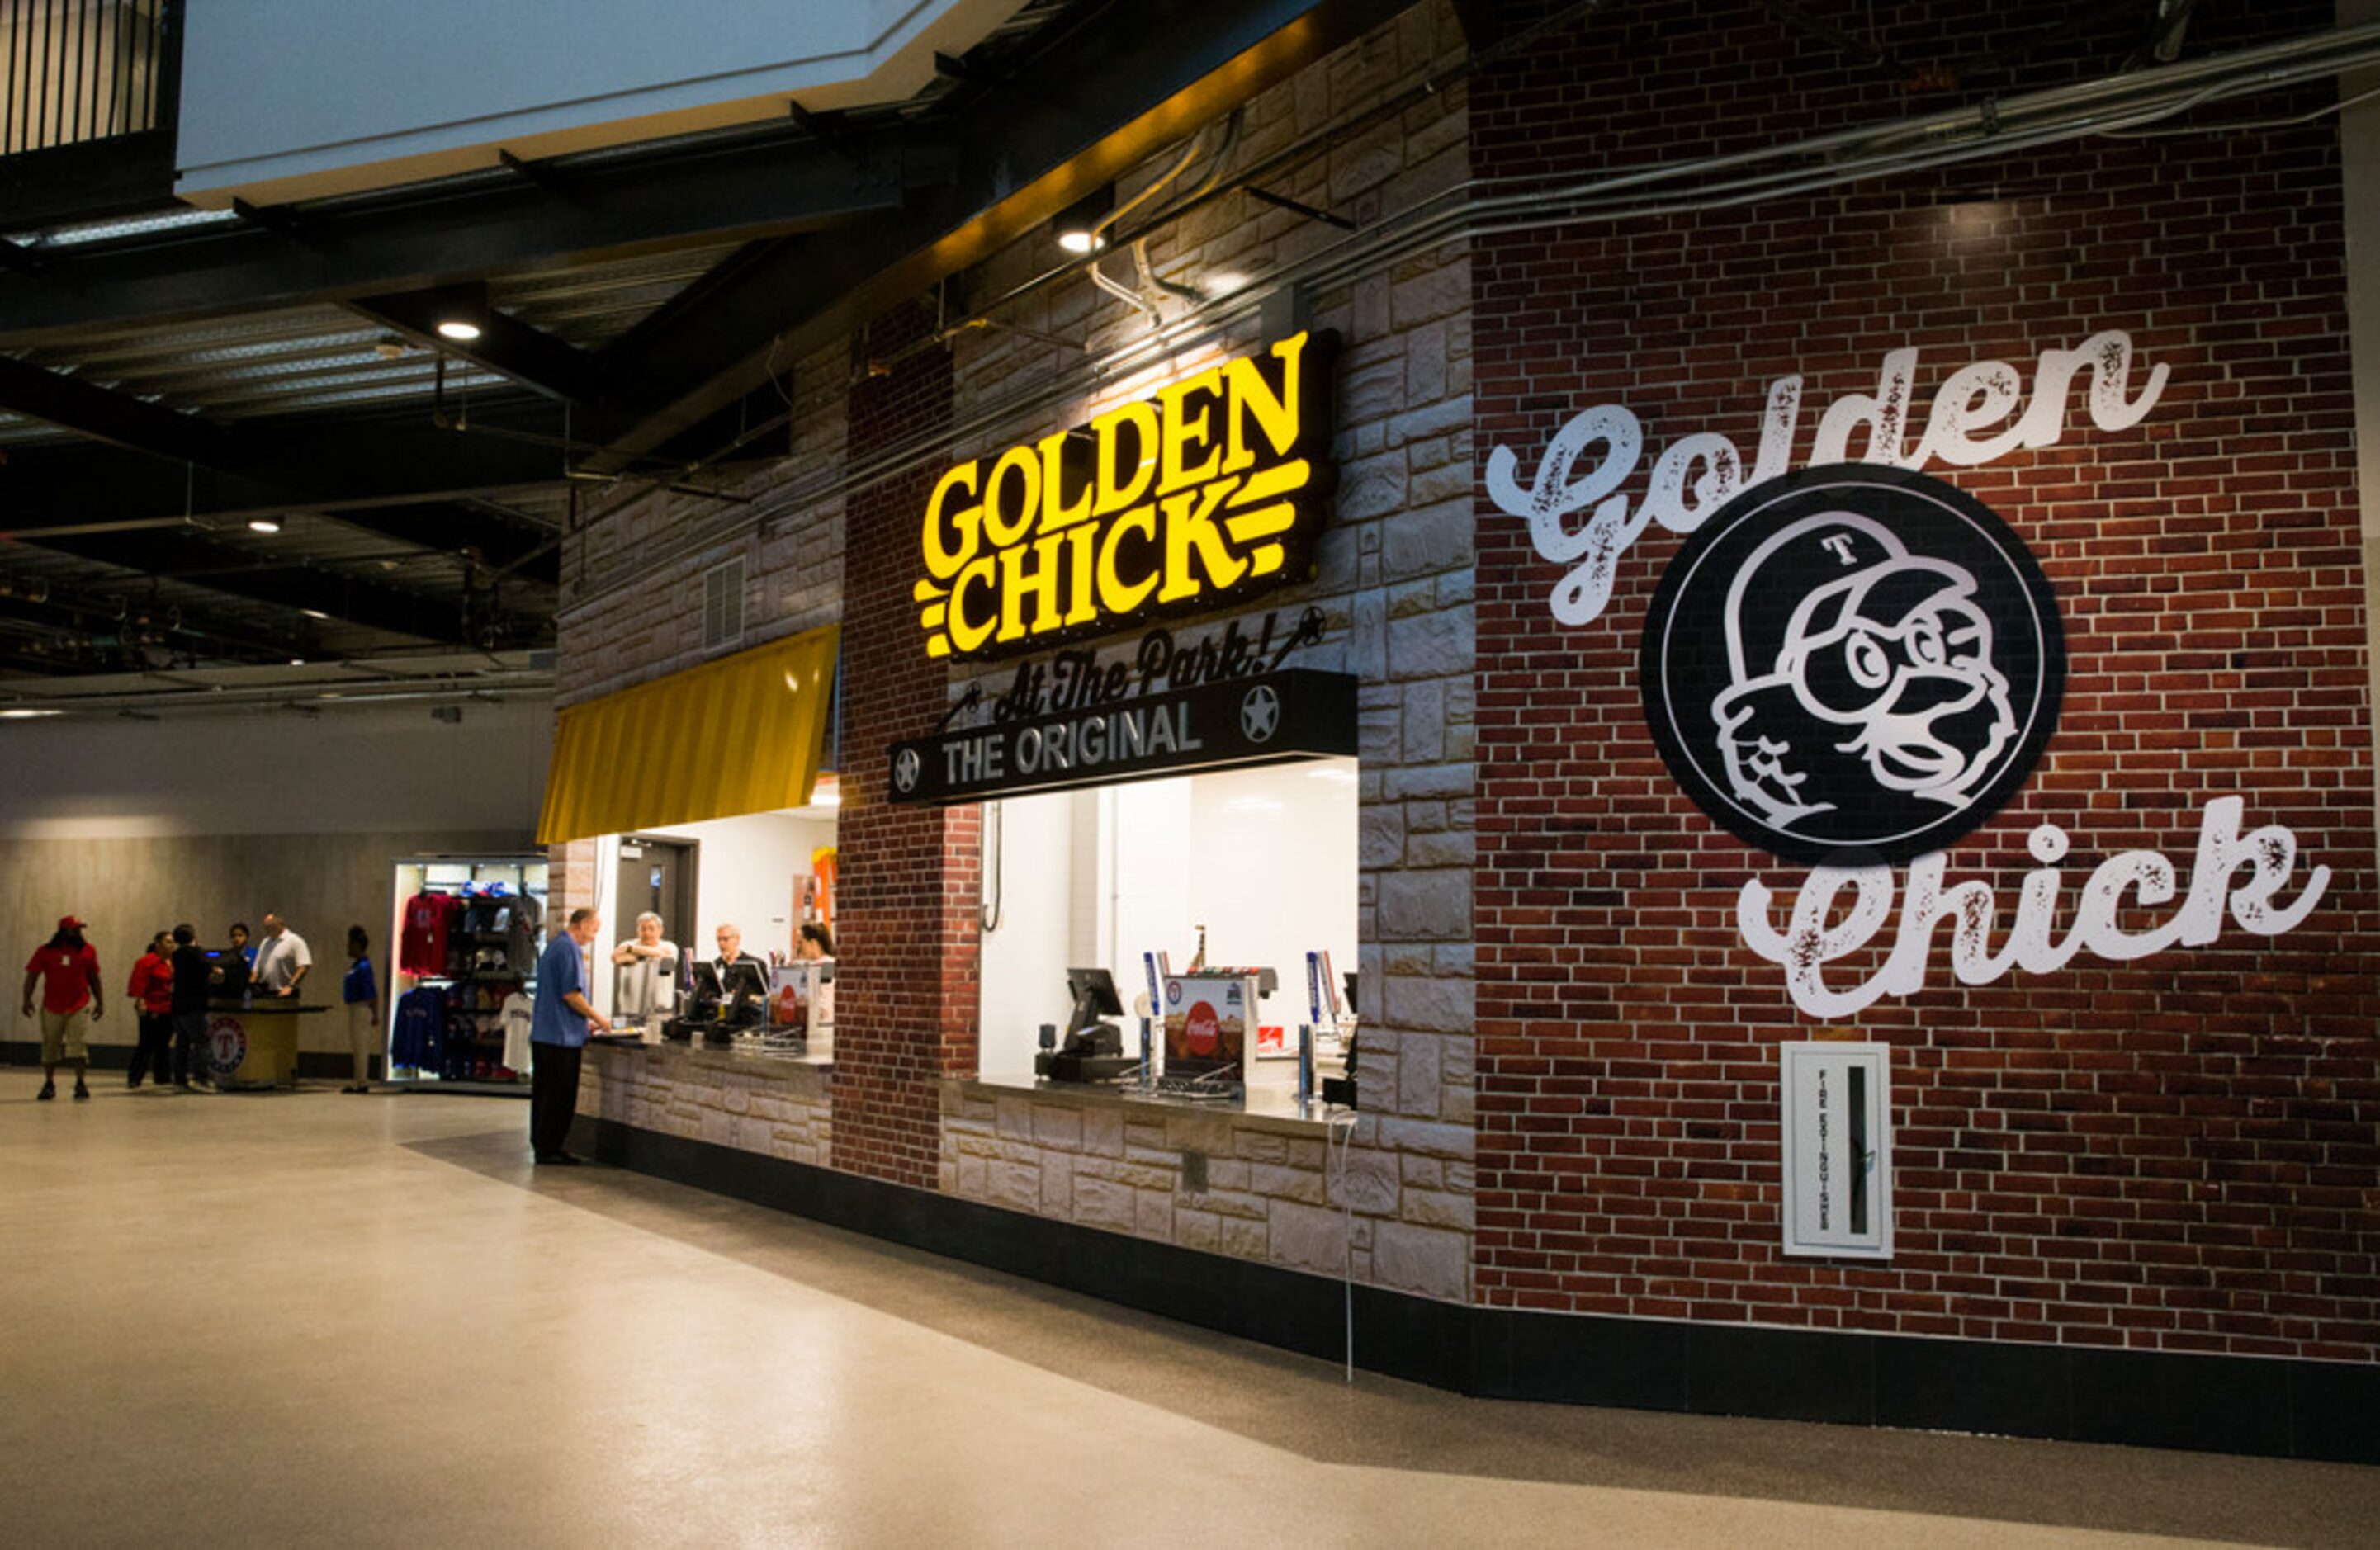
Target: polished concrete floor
x=320 y=1319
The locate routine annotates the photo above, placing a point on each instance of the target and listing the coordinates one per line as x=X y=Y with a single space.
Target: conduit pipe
x=1482 y=208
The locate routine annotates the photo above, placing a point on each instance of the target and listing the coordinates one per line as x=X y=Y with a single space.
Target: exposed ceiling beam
x=221 y=470
x=24 y=622
x=677 y=197
x=170 y=555
x=326 y=463
x=1097 y=104
x=506 y=345
x=451 y=530
x=105 y=414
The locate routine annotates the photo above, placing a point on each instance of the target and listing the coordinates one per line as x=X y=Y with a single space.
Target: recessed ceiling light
x=296 y=661
x=264 y=525
x=23 y=713
x=459 y=331
x=313 y=614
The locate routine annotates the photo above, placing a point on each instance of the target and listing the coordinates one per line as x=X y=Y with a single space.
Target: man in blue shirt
x=558 y=1026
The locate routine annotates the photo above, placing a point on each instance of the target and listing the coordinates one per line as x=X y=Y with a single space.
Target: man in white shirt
x=282 y=958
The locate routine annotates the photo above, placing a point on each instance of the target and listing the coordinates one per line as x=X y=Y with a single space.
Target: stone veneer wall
x=779 y=1108
x=1394 y=585
x=1274 y=1190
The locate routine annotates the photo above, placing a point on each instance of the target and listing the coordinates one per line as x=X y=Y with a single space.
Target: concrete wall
x=136 y=825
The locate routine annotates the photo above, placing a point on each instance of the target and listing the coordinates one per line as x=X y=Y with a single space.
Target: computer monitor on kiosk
x=1094 y=995
x=746 y=981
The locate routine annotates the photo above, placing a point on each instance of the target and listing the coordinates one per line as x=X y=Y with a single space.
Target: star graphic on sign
x=905 y=769
x=1260 y=713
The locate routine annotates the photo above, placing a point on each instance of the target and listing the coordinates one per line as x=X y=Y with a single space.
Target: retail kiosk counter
x=254 y=1048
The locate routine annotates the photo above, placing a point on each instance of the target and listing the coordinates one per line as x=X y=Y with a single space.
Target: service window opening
x=1264 y=861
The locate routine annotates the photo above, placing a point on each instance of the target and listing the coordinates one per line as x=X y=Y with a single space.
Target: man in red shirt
x=69 y=970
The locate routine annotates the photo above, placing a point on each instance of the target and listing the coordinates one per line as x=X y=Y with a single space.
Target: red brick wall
x=905 y=910
x=2179 y=1151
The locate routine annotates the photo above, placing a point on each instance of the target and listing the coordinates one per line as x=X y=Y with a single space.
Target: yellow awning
x=738 y=735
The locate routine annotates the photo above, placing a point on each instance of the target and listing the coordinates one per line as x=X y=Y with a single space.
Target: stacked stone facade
x=752 y=1103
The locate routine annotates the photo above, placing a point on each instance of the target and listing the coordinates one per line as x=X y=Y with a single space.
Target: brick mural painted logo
x=1851 y=660
x=1978 y=414
x=1214 y=488
x=1854 y=666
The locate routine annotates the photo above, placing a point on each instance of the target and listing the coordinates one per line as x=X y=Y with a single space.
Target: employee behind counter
x=275 y=966
x=730 y=991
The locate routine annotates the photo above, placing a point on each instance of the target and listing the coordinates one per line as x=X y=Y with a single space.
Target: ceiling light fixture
x=264 y=525
x=1080 y=225
x=460 y=312
x=23 y=713
x=313 y=614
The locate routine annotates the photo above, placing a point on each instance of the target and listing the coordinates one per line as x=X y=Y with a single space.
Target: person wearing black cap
x=68 y=968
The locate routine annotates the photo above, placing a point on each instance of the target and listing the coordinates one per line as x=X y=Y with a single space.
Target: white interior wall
x=746 y=870
x=1276 y=872
x=1043 y=897
x=1264 y=858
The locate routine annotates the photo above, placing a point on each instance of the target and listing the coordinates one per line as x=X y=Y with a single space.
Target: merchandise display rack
x=523 y=876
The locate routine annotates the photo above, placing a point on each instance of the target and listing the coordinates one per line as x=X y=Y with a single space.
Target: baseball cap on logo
x=1851 y=660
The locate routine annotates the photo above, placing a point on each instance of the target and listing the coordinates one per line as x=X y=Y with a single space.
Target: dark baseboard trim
x=2222 y=1404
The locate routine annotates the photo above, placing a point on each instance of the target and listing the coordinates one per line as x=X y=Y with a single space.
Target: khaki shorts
x=65 y=1036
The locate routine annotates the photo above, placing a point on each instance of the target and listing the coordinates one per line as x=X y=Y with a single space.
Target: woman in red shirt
x=152 y=992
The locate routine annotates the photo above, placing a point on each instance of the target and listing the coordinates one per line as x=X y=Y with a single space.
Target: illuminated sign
x=1213 y=488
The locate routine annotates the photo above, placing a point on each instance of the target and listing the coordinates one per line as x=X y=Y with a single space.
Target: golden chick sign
x=1213 y=488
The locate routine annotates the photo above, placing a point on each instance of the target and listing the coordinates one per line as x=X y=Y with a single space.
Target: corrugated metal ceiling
x=298 y=358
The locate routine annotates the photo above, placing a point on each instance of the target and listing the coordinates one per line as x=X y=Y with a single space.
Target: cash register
x=720 y=1006
x=1093 y=1050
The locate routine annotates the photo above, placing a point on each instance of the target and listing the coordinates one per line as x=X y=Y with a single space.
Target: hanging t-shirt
x=69 y=976
x=419 y=1037
x=521 y=943
x=517 y=1018
x=422 y=947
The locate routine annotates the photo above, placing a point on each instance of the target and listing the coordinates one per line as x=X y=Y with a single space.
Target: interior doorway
x=656 y=875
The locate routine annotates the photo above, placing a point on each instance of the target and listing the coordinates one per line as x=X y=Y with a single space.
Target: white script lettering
x=1698 y=472
x=1812 y=937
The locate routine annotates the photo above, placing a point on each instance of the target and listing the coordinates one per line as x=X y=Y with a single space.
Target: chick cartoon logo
x=1852 y=660
x=1216 y=486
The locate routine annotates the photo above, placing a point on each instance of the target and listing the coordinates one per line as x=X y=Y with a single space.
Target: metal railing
x=72 y=71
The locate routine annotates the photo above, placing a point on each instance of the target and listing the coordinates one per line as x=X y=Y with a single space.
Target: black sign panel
x=1852 y=662
x=1267 y=719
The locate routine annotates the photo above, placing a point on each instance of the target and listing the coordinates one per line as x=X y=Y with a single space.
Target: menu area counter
x=1264 y=1105
x=254 y=1048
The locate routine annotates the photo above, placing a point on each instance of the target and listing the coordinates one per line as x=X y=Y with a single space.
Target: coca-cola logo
x=1202 y=1029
